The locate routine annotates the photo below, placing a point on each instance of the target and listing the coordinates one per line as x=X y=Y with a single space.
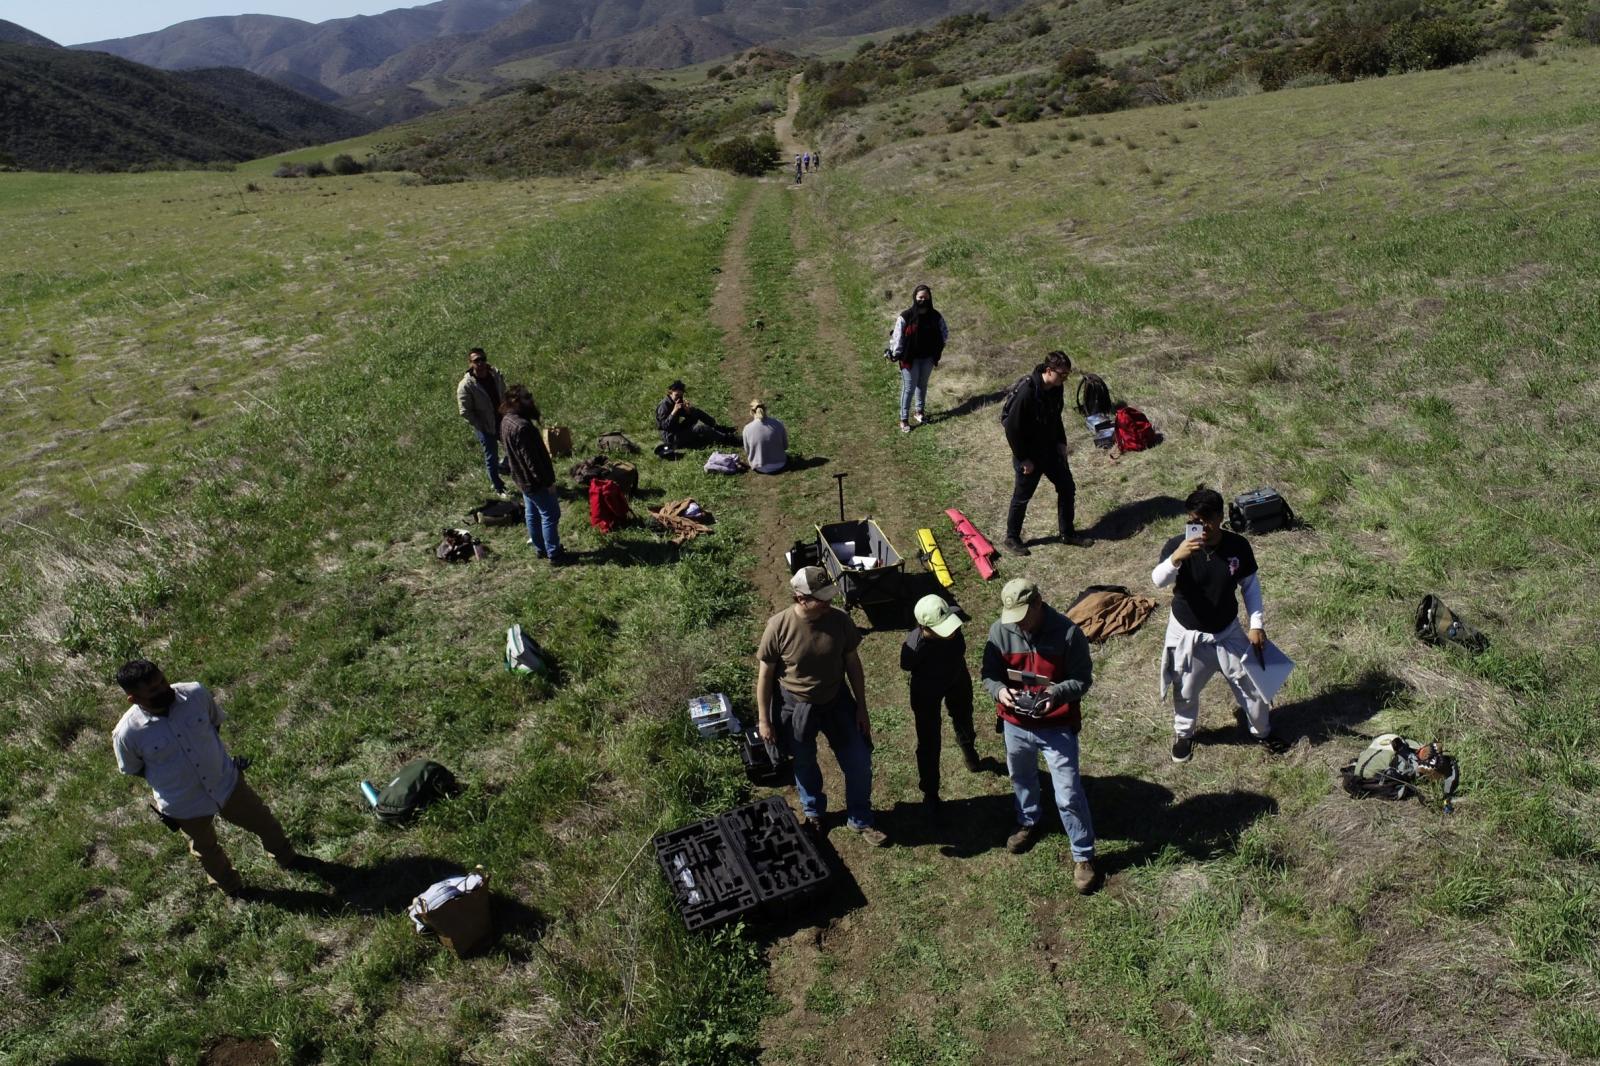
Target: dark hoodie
x=921 y=332
x=1033 y=426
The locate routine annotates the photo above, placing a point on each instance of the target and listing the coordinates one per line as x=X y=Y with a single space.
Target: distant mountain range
x=61 y=108
x=381 y=53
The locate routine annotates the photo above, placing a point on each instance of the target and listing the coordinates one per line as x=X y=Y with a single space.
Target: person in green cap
x=934 y=657
x=1036 y=666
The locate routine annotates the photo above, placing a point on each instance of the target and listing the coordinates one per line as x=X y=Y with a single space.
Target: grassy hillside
x=82 y=109
x=1344 y=292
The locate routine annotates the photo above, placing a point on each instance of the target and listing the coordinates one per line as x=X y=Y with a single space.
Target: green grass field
x=233 y=445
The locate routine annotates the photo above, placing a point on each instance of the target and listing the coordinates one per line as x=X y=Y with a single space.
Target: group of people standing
x=806 y=162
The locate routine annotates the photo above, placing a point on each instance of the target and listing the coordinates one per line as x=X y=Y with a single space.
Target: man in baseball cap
x=808 y=655
x=934 y=657
x=1036 y=666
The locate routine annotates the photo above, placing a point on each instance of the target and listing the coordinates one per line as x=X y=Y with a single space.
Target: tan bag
x=462 y=921
x=558 y=441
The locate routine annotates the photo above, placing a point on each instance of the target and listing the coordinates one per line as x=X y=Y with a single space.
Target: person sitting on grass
x=684 y=426
x=533 y=472
x=934 y=657
x=1036 y=665
x=1203 y=635
x=171 y=737
x=766 y=441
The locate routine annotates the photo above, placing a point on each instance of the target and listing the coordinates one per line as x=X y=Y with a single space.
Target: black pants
x=1055 y=468
x=930 y=733
x=698 y=431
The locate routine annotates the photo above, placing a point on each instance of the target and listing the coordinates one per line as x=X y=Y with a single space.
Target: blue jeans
x=914 y=378
x=837 y=722
x=1060 y=749
x=543 y=511
x=491 y=458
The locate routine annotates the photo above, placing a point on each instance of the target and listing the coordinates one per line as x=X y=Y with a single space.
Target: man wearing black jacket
x=1039 y=449
x=533 y=472
x=685 y=426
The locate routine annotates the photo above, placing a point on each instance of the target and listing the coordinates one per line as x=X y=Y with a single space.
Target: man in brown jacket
x=478 y=399
x=533 y=472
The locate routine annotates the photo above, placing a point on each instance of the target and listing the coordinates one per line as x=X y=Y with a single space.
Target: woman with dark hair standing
x=533 y=472
x=916 y=344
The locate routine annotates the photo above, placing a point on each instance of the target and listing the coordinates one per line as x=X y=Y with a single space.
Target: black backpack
x=1009 y=400
x=1094 y=396
x=1260 y=511
x=497 y=513
x=419 y=783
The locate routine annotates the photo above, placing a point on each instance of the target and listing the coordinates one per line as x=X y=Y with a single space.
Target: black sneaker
x=1182 y=749
x=1076 y=540
x=1273 y=745
x=1013 y=546
x=969 y=756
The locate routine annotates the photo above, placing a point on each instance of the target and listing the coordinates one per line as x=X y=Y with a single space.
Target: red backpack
x=608 y=505
x=1134 y=432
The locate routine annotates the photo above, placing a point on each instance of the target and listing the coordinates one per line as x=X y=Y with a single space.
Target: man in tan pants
x=169 y=737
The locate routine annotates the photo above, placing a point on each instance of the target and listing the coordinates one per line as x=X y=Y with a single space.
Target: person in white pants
x=1209 y=569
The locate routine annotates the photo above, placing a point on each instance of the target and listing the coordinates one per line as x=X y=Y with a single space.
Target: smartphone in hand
x=1193 y=530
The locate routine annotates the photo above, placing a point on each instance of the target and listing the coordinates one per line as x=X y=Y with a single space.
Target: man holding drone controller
x=1036 y=666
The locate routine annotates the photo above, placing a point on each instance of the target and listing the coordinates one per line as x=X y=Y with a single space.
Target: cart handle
x=840 y=479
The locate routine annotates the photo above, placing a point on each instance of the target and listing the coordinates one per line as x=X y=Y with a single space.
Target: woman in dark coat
x=917 y=343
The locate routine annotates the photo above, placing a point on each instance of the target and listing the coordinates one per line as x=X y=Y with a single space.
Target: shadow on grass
x=1323 y=717
x=976 y=402
x=962 y=828
x=629 y=553
x=1206 y=826
x=797 y=462
x=1129 y=519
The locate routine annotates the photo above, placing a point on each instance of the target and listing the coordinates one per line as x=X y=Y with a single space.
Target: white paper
x=1269 y=678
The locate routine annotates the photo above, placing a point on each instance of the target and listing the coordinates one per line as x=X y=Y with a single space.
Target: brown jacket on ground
x=1107 y=613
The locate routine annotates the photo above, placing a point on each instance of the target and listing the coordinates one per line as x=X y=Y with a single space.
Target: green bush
x=751 y=156
x=345 y=164
x=1079 y=62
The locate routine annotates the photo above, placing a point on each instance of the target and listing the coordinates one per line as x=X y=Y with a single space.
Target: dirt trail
x=783 y=128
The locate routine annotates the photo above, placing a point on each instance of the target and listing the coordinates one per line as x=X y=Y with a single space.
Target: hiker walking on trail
x=816 y=159
x=478 y=399
x=809 y=661
x=798 y=171
x=1036 y=665
x=686 y=426
x=807 y=159
x=766 y=441
x=934 y=656
x=170 y=737
x=917 y=343
x=1206 y=566
x=1032 y=420
x=533 y=472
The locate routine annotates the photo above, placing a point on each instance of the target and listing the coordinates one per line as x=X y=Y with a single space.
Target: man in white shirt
x=766 y=441
x=170 y=738
x=1208 y=567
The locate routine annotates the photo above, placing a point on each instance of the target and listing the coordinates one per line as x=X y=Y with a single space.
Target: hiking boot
x=1024 y=838
x=1076 y=540
x=1085 y=878
x=969 y=756
x=1014 y=546
x=932 y=805
x=1182 y=749
x=874 y=836
x=560 y=559
x=1273 y=745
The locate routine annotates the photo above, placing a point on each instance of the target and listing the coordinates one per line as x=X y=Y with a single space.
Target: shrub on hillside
x=751 y=156
x=1079 y=62
x=1583 y=21
x=345 y=164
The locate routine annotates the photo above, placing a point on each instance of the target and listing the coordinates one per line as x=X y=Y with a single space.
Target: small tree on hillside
x=751 y=156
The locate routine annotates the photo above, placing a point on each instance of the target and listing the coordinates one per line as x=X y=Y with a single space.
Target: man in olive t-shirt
x=808 y=654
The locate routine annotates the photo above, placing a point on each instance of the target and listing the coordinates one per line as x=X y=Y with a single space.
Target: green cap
x=932 y=611
x=1019 y=594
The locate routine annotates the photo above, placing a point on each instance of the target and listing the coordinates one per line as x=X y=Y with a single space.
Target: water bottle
x=371 y=793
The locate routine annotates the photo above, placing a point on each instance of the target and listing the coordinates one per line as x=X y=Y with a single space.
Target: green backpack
x=419 y=783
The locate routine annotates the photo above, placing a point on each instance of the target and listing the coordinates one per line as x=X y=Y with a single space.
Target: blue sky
x=77 y=21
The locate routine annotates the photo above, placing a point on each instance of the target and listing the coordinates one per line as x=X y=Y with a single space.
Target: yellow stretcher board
x=932 y=558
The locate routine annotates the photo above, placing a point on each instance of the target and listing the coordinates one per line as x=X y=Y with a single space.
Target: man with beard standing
x=917 y=343
x=170 y=738
x=478 y=397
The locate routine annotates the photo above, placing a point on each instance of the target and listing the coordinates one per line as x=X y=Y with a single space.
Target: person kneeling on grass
x=1036 y=665
x=533 y=472
x=934 y=656
x=808 y=652
x=170 y=737
x=1206 y=565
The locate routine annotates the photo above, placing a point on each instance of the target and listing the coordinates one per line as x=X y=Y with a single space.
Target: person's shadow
x=1321 y=718
x=1206 y=826
x=961 y=828
x=1128 y=519
x=975 y=402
